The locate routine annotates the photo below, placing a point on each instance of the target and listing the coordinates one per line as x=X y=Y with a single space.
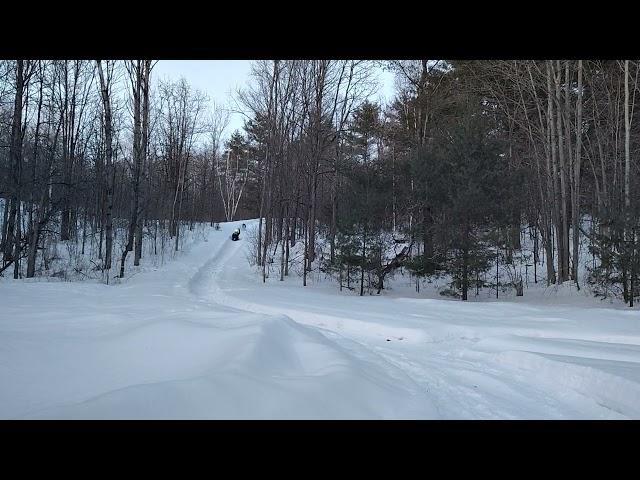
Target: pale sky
x=219 y=79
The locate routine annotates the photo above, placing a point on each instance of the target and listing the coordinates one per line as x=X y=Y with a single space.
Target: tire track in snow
x=460 y=388
x=205 y=284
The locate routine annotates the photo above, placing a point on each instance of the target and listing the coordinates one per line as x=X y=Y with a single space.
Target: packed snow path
x=203 y=337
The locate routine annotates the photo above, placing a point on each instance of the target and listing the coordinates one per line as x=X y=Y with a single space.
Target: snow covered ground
x=203 y=337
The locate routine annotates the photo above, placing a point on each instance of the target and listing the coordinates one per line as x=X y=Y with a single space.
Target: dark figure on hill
x=235 y=235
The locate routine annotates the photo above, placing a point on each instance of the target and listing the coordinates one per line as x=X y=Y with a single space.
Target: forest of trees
x=447 y=178
x=92 y=155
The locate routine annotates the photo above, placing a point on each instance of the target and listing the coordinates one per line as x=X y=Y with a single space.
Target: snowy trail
x=156 y=348
x=494 y=360
x=203 y=337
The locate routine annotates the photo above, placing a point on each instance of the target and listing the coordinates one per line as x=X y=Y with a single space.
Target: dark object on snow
x=235 y=235
x=244 y=227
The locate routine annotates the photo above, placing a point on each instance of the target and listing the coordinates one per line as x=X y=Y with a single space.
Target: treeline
x=466 y=160
x=90 y=150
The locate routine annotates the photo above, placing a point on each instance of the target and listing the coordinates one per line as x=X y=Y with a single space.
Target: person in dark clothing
x=235 y=235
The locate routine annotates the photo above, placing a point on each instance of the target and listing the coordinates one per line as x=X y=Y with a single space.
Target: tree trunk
x=551 y=127
x=109 y=170
x=576 y=176
x=12 y=245
x=364 y=258
x=563 y=234
x=627 y=167
x=146 y=72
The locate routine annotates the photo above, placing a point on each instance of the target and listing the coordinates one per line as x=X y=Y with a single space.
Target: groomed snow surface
x=203 y=338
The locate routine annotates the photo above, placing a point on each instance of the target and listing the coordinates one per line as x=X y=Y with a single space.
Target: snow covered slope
x=154 y=348
x=203 y=337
